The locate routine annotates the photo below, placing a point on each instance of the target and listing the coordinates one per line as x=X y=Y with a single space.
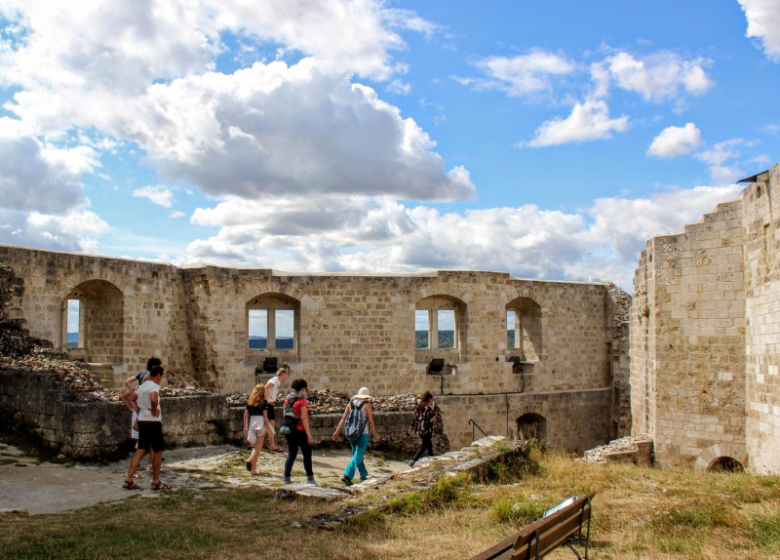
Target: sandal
x=130 y=485
x=157 y=486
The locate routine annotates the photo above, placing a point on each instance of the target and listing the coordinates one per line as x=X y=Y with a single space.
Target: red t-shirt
x=299 y=404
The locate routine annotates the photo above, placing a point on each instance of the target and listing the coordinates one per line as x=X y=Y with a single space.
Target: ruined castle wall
x=359 y=330
x=762 y=307
x=350 y=330
x=688 y=347
x=148 y=308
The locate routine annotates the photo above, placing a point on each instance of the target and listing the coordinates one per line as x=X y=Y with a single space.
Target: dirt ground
x=40 y=488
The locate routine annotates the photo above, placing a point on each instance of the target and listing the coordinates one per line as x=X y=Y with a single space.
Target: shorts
x=256 y=427
x=270 y=412
x=133 y=420
x=150 y=436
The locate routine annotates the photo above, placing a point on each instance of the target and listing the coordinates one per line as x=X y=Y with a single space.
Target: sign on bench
x=566 y=524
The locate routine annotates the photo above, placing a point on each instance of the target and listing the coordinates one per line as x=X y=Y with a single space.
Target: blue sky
x=548 y=140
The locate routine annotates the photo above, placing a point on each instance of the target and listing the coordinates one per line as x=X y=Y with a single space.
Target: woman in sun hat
x=358 y=424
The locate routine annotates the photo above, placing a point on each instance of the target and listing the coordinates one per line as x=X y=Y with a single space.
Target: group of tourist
x=142 y=397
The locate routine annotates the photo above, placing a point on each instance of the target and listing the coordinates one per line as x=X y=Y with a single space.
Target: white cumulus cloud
x=657 y=77
x=588 y=121
x=158 y=194
x=721 y=161
x=763 y=18
x=675 y=141
x=357 y=234
x=521 y=75
x=39 y=177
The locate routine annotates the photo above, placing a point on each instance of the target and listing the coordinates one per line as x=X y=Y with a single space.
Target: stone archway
x=532 y=426
x=723 y=456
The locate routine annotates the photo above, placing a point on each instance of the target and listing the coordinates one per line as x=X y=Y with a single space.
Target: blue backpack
x=356 y=421
x=290 y=420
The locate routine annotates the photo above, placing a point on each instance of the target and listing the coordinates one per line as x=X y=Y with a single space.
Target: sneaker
x=411 y=464
x=287 y=480
x=364 y=478
x=345 y=480
x=310 y=480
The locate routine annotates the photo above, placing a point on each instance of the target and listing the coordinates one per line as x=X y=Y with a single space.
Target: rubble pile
x=327 y=401
x=113 y=395
x=623 y=445
x=72 y=375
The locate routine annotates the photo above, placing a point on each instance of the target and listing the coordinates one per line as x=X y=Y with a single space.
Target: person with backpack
x=358 y=424
x=297 y=429
x=422 y=425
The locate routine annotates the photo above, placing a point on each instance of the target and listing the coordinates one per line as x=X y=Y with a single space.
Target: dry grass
x=639 y=514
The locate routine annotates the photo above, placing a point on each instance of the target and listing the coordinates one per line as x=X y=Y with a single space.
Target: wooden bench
x=566 y=524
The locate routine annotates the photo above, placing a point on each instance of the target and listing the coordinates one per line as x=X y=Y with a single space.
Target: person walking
x=131 y=384
x=296 y=412
x=256 y=424
x=271 y=392
x=358 y=424
x=422 y=425
x=150 y=433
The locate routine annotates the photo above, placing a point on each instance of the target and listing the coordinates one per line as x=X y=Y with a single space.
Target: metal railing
x=474 y=428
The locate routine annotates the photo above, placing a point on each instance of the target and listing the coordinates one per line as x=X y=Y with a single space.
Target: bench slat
x=497 y=550
x=553 y=532
x=550 y=540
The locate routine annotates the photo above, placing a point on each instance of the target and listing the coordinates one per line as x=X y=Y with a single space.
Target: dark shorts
x=150 y=436
x=270 y=412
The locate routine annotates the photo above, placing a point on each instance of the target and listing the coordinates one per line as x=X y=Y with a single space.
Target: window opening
x=445 y=322
x=511 y=329
x=285 y=329
x=258 y=329
x=422 y=328
x=74 y=334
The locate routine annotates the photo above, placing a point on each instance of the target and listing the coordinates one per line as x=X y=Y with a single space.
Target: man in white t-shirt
x=271 y=392
x=150 y=434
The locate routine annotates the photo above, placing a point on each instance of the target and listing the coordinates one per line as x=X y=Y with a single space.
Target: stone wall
x=91 y=430
x=98 y=430
x=705 y=327
x=573 y=420
x=351 y=330
x=762 y=309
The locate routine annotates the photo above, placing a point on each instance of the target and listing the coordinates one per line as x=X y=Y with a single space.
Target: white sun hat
x=363 y=393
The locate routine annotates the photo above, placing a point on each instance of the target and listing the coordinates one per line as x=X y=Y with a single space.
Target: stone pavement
x=39 y=488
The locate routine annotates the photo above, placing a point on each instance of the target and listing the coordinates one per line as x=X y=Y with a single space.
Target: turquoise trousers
x=358 y=452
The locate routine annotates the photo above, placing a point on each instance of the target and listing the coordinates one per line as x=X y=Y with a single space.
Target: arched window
x=440 y=329
x=273 y=326
x=532 y=426
x=93 y=322
x=524 y=329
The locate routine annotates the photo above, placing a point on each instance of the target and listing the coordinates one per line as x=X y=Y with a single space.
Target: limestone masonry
x=567 y=381
x=705 y=336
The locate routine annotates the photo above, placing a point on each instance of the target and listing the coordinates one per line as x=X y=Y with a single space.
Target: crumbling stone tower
x=705 y=336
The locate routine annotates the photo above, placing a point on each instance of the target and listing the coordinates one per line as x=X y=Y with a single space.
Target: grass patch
x=448 y=491
x=4 y=461
x=639 y=514
x=766 y=527
x=506 y=510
